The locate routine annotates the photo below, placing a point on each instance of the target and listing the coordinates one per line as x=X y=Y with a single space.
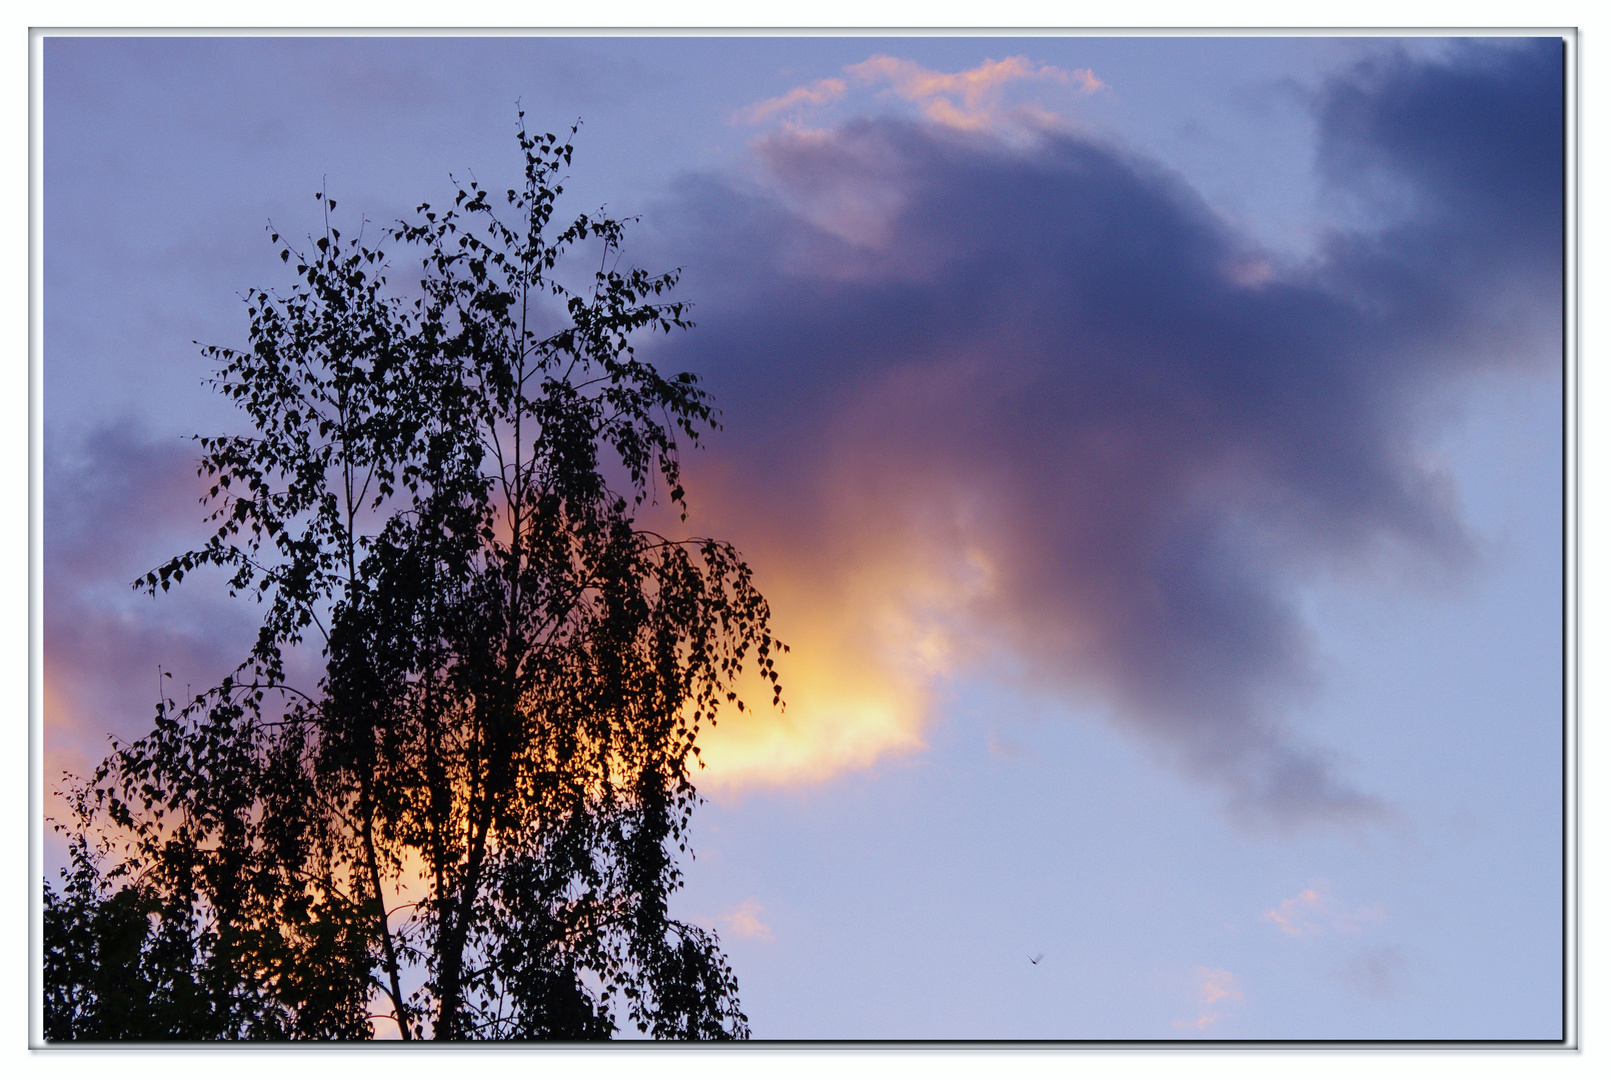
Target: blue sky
x=1151 y=447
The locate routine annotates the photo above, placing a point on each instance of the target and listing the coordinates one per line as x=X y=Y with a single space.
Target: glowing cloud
x=966 y=100
x=971 y=100
x=872 y=624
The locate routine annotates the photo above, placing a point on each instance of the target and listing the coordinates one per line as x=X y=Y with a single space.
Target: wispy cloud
x=966 y=100
x=1374 y=971
x=1216 y=987
x=971 y=100
x=745 y=921
x=820 y=92
x=1315 y=910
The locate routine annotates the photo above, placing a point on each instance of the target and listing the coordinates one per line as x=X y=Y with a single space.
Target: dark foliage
x=472 y=816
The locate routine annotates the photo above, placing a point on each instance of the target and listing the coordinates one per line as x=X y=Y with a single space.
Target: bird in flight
x=1037 y=958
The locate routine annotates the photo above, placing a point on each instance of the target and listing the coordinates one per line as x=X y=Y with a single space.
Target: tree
x=471 y=816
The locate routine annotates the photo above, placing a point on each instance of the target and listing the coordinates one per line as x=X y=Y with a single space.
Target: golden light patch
x=872 y=638
x=836 y=720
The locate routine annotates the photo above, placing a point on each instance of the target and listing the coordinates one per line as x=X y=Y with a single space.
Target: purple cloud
x=116 y=504
x=1056 y=364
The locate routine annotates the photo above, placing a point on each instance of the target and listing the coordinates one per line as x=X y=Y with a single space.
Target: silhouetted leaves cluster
x=468 y=823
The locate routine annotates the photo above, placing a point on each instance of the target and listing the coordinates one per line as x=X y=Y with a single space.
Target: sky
x=1151 y=449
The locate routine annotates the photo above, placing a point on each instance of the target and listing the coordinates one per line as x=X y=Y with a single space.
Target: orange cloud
x=877 y=608
x=869 y=644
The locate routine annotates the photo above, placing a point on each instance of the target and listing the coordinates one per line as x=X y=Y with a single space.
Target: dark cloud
x=1056 y=361
x=1464 y=159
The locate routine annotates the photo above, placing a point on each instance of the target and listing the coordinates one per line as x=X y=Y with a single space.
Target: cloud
x=971 y=100
x=1201 y=1023
x=1316 y=911
x=818 y=93
x=1290 y=915
x=1218 y=985
x=1375 y=973
x=966 y=100
x=1213 y=988
x=745 y=921
x=116 y=503
x=1018 y=411
x=1033 y=412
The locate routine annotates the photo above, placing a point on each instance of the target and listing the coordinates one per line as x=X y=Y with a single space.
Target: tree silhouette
x=470 y=818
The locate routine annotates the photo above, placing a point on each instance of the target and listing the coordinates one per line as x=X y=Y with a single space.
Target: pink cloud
x=1217 y=985
x=1213 y=987
x=1201 y=1023
x=1315 y=911
x=818 y=93
x=971 y=100
x=966 y=100
x=116 y=504
x=745 y=921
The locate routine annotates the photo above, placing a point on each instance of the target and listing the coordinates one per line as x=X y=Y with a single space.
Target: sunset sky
x=1151 y=449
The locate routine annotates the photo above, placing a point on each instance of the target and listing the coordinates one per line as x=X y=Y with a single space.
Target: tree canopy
x=471 y=822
